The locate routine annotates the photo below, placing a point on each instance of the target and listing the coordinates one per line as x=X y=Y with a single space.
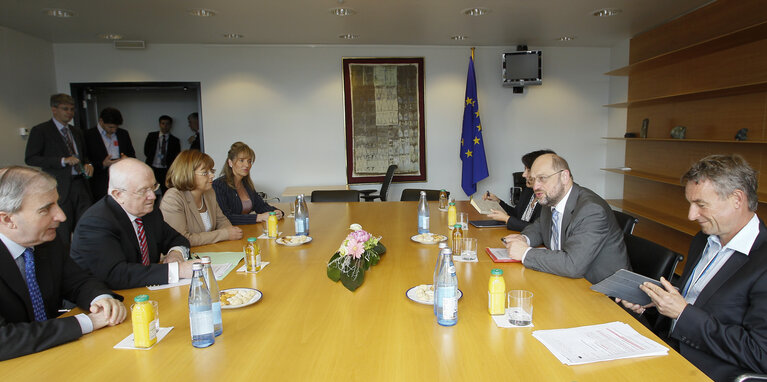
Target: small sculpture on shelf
x=742 y=134
x=678 y=132
x=645 y=125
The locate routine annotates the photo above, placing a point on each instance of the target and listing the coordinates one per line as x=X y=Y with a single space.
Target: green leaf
x=374 y=259
x=334 y=273
x=353 y=283
x=380 y=249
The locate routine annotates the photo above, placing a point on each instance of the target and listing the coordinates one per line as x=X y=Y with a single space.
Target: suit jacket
x=724 y=333
x=105 y=243
x=180 y=211
x=591 y=240
x=97 y=151
x=231 y=204
x=195 y=145
x=46 y=148
x=150 y=148
x=515 y=222
x=59 y=277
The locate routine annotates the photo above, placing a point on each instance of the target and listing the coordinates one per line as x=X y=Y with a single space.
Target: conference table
x=306 y=327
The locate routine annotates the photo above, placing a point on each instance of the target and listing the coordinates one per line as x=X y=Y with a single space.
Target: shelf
x=684 y=140
x=618 y=105
x=709 y=93
x=725 y=41
x=674 y=222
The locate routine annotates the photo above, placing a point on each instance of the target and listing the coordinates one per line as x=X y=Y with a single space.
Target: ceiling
x=394 y=22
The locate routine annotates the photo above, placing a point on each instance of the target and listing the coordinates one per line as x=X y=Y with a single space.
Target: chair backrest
x=387 y=181
x=414 y=194
x=651 y=259
x=335 y=196
x=625 y=221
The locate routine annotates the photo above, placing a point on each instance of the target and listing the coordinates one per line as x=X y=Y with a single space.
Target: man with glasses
x=123 y=240
x=576 y=226
x=58 y=148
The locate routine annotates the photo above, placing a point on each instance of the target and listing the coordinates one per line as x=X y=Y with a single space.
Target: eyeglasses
x=543 y=178
x=211 y=172
x=144 y=191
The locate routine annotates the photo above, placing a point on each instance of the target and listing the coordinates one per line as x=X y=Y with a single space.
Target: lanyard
x=690 y=282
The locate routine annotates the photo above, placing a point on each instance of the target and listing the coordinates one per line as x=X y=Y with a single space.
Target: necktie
x=142 y=242
x=163 y=149
x=34 y=289
x=554 y=229
x=67 y=140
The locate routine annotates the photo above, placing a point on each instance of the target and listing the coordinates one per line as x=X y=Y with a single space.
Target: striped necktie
x=34 y=289
x=142 y=242
x=554 y=229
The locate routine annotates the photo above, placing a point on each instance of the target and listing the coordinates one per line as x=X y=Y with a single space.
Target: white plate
x=412 y=295
x=437 y=238
x=252 y=301
x=281 y=241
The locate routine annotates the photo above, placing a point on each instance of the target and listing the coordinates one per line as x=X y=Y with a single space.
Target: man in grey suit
x=578 y=228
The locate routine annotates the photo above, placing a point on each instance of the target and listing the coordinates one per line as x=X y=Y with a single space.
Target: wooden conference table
x=308 y=328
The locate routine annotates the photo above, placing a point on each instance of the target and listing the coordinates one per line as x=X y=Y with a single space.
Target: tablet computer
x=487 y=223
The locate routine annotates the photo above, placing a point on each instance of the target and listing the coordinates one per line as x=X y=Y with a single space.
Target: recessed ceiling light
x=111 y=36
x=58 y=12
x=233 y=35
x=476 y=11
x=348 y=36
x=342 y=11
x=202 y=12
x=459 y=37
x=606 y=12
x=566 y=38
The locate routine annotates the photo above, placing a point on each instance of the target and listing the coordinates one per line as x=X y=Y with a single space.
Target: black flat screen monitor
x=522 y=68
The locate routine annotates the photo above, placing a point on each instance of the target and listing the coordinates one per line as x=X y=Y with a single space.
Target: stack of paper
x=595 y=343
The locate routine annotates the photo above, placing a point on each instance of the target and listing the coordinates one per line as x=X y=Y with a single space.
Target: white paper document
x=219 y=270
x=596 y=343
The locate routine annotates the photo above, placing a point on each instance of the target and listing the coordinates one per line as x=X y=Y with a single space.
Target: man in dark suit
x=58 y=149
x=578 y=228
x=718 y=317
x=107 y=143
x=194 y=125
x=36 y=272
x=123 y=240
x=161 y=149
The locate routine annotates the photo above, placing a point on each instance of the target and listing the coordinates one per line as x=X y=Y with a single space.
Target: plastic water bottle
x=446 y=290
x=302 y=217
x=442 y=246
x=215 y=298
x=200 y=310
x=423 y=214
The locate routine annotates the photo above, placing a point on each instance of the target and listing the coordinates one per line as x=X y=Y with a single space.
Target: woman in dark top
x=528 y=209
x=235 y=192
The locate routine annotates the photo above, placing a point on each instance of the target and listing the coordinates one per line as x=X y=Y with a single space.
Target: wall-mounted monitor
x=521 y=68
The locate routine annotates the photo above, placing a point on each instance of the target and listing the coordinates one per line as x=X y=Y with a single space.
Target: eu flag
x=472 y=145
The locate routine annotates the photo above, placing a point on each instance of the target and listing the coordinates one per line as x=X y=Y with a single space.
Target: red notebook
x=500 y=255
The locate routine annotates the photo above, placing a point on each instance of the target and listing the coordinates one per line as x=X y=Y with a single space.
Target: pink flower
x=355 y=248
x=360 y=236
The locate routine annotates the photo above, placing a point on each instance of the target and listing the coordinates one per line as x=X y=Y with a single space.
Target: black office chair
x=414 y=194
x=368 y=194
x=335 y=196
x=751 y=377
x=651 y=259
x=519 y=184
x=626 y=221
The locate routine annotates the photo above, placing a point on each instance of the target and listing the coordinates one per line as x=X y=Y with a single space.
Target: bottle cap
x=452 y=203
x=272 y=213
x=457 y=226
x=423 y=193
x=252 y=239
x=442 y=190
x=496 y=272
x=442 y=245
x=447 y=251
x=196 y=267
x=205 y=260
x=141 y=298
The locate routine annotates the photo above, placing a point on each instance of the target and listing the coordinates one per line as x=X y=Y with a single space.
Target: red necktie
x=142 y=242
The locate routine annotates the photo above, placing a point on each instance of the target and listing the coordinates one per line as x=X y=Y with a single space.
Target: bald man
x=123 y=240
x=578 y=229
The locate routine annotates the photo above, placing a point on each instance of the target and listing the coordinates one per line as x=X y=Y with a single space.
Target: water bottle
x=423 y=214
x=446 y=290
x=302 y=217
x=442 y=245
x=200 y=310
x=215 y=298
x=442 y=200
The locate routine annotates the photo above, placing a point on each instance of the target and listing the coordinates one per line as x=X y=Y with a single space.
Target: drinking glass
x=469 y=248
x=519 y=307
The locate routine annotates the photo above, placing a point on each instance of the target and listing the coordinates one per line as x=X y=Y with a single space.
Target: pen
x=503 y=239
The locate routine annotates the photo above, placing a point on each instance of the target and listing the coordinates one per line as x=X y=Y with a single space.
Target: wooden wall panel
x=672 y=239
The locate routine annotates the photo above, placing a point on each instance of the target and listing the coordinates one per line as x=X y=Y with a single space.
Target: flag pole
x=472 y=53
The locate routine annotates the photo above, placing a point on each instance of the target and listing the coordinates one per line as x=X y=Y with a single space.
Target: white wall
x=287 y=103
x=26 y=84
x=616 y=150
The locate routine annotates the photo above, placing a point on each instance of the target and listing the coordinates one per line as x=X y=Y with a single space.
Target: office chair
x=414 y=194
x=335 y=196
x=751 y=377
x=519 y=184
x=625 y=221
x=651 y=259
x=368 y=194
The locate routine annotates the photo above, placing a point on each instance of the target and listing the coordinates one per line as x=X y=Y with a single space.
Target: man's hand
x=490 y=196
x=88 y=169
x=108 y=161
x=501 y=216
x=636 y=308
x=517 y=248
x=71 y=160
x=185 y=269
x=262 y=217
x=668 y=301
x=235 y=233
x=279 y=214
x=173 y=257
x=107 y=312
x=191 y=139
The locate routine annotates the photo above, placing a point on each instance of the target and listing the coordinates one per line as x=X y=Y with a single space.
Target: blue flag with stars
x=472 y=145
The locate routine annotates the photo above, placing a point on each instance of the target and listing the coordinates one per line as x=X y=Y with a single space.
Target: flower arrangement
x=358 y=252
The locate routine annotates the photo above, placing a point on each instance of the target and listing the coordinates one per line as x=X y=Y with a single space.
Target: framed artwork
x=383 y=100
